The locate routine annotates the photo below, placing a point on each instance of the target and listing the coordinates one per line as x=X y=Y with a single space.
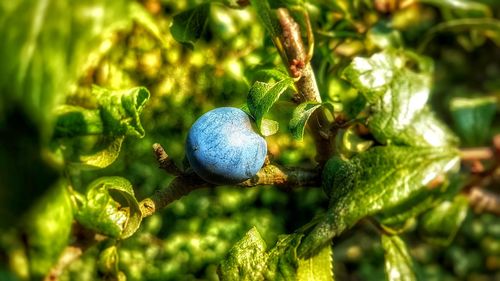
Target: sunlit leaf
x=377 y=180
x=262 y=96
x=398 y=262
x=397 y=98
x=249 y=259
x=440 y=225
x=188 y=26
x=110 y=208
x=268 y=127
x=300 y=116
x=103 y=157
x=317 y=268
x=120 y=110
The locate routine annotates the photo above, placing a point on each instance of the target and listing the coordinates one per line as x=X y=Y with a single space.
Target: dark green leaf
x=349 y=143
x=440 y=225
x=300 y=116
x=460 y=25
x=248 y=259
x=110 y=208
x=398 y=262
x=382 y=36
x=379 y=179
x=48 y=228
x=32 y=175
x=461 y=5
x=472 y=118
x=397 y=98
x=262 y=96
x=188 y=26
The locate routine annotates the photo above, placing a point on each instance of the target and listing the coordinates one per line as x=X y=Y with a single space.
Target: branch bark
x=298 y=61
x=186 y=182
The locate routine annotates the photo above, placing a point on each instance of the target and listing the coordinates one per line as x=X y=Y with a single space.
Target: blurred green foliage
x=53 y=52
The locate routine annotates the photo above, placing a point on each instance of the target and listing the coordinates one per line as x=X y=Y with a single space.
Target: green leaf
x=439 y=189
x=398 y=262
x=460 y=25
x=267 y=17
x=48 y=228
x=269 y=75
x=110 y=208
x=108 y=261
x=103 y=157
x=397 y=98
x=383 y=36
x=188 y=26
x=120 y=110
x=472 y=118
x=262 y=96
x=377 y=180
x=268 y=127
x=301 y=114
x=440 y=225
x=317 y=268
x=349 y=143
x=93 y=137
x=248 y=259
x=117 y=114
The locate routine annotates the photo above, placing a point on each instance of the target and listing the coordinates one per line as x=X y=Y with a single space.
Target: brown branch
x=477 y=153
x=284 y=177
x=186 y=182
x=178 y=187
x=166 y=163
x=296 y=57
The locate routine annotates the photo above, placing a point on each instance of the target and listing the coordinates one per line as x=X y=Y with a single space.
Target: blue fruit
x=223 y=148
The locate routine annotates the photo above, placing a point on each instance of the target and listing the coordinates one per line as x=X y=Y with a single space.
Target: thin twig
x=166 y=163
x=186 y=182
